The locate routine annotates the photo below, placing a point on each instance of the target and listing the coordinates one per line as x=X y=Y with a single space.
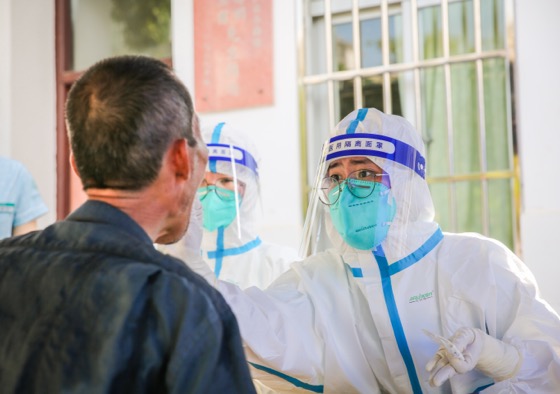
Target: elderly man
x=88 y=304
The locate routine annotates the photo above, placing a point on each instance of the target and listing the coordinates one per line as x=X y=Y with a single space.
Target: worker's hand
x=489 y=355
x=191 y=242
x=193 y=237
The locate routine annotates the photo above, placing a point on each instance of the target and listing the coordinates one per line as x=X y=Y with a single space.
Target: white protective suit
x=350 y=321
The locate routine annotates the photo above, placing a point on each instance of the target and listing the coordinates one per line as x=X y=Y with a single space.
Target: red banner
x=233 y=54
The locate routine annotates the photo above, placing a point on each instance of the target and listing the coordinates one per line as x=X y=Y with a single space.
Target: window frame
x=67 y=193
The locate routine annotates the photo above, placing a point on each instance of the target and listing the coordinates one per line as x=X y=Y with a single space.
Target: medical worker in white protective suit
x=354 y=318
x=230 y=203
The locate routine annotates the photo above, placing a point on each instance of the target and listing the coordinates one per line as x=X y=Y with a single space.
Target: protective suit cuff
x=517 y=366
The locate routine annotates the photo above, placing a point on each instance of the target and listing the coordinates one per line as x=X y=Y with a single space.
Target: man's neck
x=144 y=207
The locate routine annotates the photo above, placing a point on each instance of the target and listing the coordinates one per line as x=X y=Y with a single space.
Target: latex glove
x=489 y=355
x=193 y=237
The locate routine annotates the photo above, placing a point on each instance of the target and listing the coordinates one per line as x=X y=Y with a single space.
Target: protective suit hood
x=393 y=144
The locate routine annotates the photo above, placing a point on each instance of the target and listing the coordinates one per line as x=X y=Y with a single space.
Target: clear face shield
x=229 y=187
x=363 y=196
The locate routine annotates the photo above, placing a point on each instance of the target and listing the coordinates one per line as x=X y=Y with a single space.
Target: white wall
x=538 y=106
x=27 y=92
x=274 y=129
x=5 y=71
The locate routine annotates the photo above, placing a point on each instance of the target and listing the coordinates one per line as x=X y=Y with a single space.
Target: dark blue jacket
x=89 y=306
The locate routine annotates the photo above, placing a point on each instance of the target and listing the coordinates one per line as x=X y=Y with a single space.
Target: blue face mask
x=363 y=223
x=218 y=212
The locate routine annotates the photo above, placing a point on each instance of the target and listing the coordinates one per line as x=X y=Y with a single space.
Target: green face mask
x=363 y=223
x=217 y=211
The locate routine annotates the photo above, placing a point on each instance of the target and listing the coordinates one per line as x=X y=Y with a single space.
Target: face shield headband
x=230 y=153
x=376 y=145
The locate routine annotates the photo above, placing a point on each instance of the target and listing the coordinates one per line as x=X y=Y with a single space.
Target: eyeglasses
x=360 y=183
x=224 y=188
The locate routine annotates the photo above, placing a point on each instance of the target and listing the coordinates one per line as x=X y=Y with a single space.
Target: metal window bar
x=329 y=54
x=512 y=130
x=387 y=102
x=400 y=67
x=449 y=112
x=415 y=58
x=357 y=40
x=481 y=116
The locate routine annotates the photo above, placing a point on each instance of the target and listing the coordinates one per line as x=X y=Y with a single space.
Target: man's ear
x=180 y=159
x=73 y=164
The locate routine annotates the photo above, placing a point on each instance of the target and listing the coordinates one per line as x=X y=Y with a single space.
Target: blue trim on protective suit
x=409 y=260
x=356 y=271
x=220 y=252
x=418 y=254
x=219 y=246
x=362 y=112
x=396 y=323
x=386 y=271
x=292 y=380
x=217 y=133
x=478 y=390
x=215 y=139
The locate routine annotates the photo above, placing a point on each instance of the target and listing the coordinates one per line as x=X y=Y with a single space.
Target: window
x=88 y=31
x=444 y=65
